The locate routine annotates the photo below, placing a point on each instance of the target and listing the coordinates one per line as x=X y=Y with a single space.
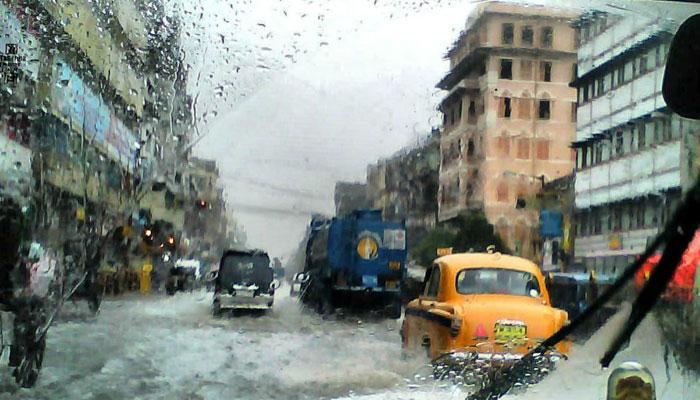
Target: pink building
x=509 y=116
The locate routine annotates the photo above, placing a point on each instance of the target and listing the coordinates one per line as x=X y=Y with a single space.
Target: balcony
x=471 y=61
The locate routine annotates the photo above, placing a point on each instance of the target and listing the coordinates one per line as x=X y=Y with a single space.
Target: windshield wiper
x=677 y=235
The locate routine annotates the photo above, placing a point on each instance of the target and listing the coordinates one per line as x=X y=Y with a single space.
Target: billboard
x=74 y=102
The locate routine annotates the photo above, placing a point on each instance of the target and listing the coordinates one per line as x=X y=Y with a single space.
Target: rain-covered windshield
x=369 y=148
x=245 y=270
x=496 y=281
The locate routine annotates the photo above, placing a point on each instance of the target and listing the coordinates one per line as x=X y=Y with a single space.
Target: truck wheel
x=324 y=306
x=395 y=309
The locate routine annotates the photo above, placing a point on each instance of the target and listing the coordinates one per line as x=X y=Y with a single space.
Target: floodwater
x=162 y=347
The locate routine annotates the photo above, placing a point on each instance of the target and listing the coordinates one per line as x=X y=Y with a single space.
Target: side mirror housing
x=681 y=85
x=301 y=277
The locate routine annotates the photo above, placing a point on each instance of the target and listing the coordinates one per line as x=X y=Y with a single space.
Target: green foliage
x=424 y=251
x=470 y=232
x=476 y=233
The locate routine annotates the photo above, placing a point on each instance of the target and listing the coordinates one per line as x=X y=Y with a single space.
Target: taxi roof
x=461 y=261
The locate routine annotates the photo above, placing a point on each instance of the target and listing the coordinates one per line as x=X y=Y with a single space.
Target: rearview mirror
x=681 y=85
x=275 y=284
x=301 y=277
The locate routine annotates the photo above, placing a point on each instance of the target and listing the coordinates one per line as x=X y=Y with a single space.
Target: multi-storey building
x=18 y=80
x=97 y=101
x=75 y=105
x=377 y=196
x=634 y=156
x=349 y=196
x=206 y=219
x=404 y=186
x=509 y=115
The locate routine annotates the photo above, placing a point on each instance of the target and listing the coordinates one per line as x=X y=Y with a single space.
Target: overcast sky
x=294 y=95
x=295 y=98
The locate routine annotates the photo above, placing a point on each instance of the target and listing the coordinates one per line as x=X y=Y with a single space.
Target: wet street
x=171 y=347
x=162 y=347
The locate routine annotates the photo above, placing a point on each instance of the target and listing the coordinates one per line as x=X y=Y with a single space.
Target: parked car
x=484 y=304
x=245 y=281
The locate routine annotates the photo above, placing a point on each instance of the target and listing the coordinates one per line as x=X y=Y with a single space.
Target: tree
x=474 y=232
x=425 y=251
x=469 y=232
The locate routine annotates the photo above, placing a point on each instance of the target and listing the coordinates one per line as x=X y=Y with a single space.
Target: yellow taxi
x=483 y=303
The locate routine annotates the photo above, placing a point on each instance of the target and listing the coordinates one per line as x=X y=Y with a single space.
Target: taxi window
x=433 y=285
x=496 y=281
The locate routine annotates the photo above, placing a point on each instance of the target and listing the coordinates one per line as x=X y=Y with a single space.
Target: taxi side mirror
x=681 y=85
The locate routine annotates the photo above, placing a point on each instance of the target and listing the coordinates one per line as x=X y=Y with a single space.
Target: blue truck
x=355 y=261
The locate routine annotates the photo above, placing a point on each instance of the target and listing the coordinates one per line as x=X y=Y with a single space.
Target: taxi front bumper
x=493 y=359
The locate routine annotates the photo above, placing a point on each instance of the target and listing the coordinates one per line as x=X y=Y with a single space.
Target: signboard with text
x=80 y=106
x=19 y=49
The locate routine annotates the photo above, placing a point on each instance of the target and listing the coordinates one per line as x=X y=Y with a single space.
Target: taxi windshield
x=496 y=281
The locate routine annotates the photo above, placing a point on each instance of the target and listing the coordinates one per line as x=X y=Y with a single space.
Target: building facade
x=509 y=116
x=404 y=186
x=349 y=196
x=634 y=156
x=96 y=125
x=206 y=217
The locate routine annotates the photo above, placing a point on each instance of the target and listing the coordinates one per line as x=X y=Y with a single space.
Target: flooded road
x=171 y=347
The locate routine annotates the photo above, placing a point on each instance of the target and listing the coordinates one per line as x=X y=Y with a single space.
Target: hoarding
x=74 y=102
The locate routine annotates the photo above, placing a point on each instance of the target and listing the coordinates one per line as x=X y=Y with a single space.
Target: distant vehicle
x=245 y=281
x=278 y=269
x=183 y=276
x=354 y=260
x=192 y=265
x=486 y=305
x=571 y=291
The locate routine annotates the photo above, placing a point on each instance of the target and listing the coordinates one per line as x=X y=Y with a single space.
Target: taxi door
x=428 y=328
